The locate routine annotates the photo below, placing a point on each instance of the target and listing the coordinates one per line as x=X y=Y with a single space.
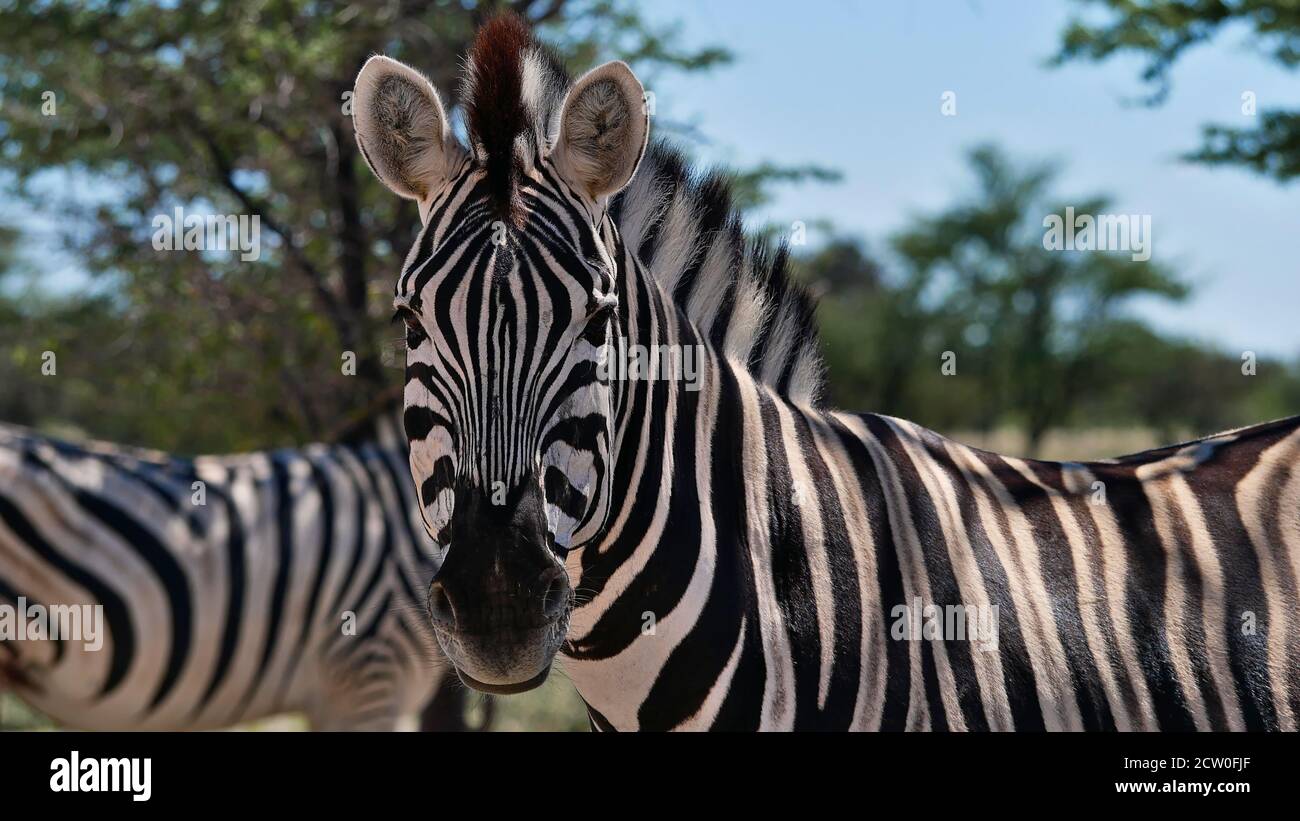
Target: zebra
x=232 y=587
x=727 y=552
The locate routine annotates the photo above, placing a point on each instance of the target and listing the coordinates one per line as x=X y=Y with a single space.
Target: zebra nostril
x=441 y=611
x=556 y=595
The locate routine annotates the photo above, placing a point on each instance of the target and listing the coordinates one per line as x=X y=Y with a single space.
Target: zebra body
x=1155 y=592
x=232 y=587
x=775 y=545
x=736 y=555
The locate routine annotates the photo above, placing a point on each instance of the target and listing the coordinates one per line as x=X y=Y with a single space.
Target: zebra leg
x=446 y=712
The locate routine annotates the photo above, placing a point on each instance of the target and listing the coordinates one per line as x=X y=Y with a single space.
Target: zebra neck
x=689 y=482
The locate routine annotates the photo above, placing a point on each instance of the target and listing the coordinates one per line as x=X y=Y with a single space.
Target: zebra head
x=510 y=301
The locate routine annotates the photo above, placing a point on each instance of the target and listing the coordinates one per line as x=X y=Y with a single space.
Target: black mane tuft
x=512 y=87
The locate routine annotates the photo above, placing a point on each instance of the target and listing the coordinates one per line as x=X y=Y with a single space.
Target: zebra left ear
x=604 y=126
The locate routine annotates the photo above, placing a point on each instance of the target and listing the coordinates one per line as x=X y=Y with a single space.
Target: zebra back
x=231 y=587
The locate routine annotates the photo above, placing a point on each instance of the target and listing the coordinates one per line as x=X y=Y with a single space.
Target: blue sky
x=857 y=86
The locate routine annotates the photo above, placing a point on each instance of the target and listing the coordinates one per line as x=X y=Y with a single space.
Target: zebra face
x=510 y=425
x=510 y=304
x=505 y=390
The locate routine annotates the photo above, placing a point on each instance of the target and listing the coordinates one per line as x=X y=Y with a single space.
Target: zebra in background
x=232 y=587
x=723 y=551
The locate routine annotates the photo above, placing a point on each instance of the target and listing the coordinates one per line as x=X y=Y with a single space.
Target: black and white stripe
x=1171 y=604
x=227 y=611
x=741 y=552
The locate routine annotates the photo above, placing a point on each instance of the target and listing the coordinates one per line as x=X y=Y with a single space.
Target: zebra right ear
x=401 y=128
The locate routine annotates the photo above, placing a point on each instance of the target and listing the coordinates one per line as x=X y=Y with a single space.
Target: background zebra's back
x=230 y=587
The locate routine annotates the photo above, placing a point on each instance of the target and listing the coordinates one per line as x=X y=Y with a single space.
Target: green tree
x=1042 y=338
x=1160 y=32
x=1181 y=389
x=1022 y=320
x=871 y=324
x=141 y=106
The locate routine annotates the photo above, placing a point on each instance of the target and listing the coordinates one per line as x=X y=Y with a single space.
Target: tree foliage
x=1161 y=32
x=116 y=112
x=1039 y=339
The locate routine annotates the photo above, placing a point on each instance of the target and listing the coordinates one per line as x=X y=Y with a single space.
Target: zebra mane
x=513 y=88
x=736 y=289
x=682 y=225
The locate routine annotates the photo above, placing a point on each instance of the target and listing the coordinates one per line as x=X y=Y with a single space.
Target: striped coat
x=232 y=587
x=1154 y=592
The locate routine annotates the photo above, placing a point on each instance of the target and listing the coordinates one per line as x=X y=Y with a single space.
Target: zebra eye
x=604 y=308
x=414 y=330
